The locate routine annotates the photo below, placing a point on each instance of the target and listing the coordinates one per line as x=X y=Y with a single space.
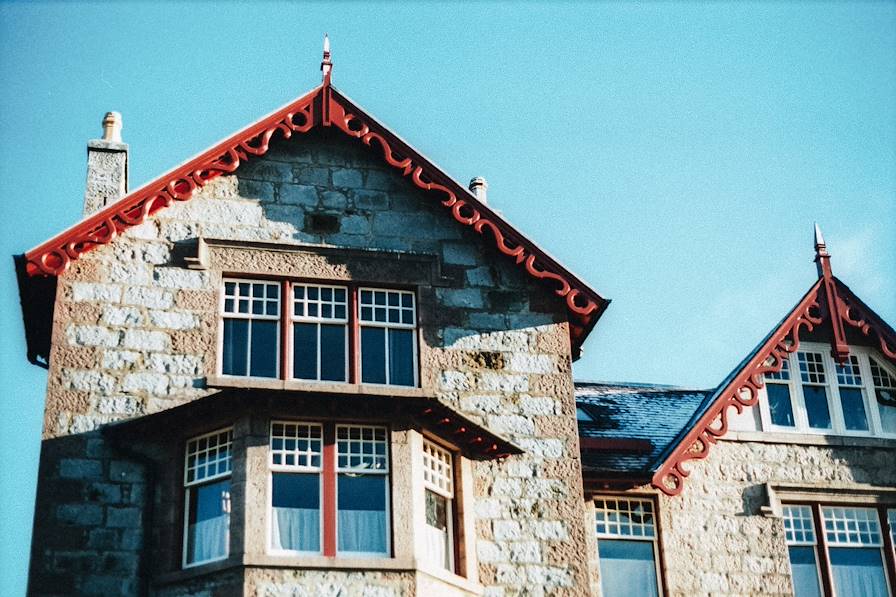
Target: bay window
x=329 y=489
x=813 y=393
x=207 y=470
x=626 y=546
x=318 y=332
x=837 y=547
x=438 y=488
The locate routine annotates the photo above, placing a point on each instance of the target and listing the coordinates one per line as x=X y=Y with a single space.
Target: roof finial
x=820 y=247
x=326 y=66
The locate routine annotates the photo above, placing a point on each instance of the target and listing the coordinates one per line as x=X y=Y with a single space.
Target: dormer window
x=318 y=332
x=814 y=393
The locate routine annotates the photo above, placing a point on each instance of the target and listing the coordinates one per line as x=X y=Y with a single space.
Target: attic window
x=582 y=415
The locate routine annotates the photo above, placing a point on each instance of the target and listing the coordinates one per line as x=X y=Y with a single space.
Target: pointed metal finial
x=326 y=65
x=821 y=249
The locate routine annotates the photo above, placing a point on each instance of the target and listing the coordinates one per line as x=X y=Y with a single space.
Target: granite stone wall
x=135 y=333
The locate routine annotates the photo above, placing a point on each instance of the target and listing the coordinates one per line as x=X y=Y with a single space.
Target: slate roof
x=633 y=411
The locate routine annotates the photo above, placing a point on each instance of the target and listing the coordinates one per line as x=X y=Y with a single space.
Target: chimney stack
x=479 y=188
x=107 y=166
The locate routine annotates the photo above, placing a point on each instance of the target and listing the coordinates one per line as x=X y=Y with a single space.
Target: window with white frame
x=320 y=332
x=207 y=469
x=330 y=333
x=845 y=553
x=296 y=461
x=813 y=393
x=438 y=487
x=626 y=546
x=329 y=489
x=388 y=341
x=250 y=328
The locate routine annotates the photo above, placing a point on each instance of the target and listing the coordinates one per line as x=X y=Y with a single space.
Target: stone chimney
x=479 y=188
x=107 y=166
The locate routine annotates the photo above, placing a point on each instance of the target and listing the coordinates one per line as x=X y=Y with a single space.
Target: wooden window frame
x=821 y=545
x=656 y=539
x=329 y=472
x=353 y=340
x=452 y=495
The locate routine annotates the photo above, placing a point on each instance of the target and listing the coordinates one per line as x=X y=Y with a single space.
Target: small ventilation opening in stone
x=321 y=223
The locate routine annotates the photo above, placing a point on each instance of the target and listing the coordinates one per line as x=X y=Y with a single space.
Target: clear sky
x=675 y=156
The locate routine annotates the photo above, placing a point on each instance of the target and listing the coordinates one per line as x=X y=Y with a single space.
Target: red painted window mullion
x=329 y=490
x=354 y=340
x=821 y=543
x=285 y=329
x=889 y=551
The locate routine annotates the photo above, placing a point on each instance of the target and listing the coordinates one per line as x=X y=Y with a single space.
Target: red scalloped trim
x=321 y=107
x=743 y=391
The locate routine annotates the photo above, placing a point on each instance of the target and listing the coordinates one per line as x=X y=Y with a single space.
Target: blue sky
x=675 y=156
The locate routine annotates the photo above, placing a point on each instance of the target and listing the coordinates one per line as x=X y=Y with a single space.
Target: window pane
x=263 y=358
x=437 y=536
x=401 y=357
x=236 y=344
x=332 y=352
x=627 y=568
x=817 y=407
x=804 y=571
x=373 y=355
x=295 y=513
x=361 y=525
x=304 y=355
x=208 y=522
x=886 y=402
x=853 y=404
x=858 y=572
x=779 y=405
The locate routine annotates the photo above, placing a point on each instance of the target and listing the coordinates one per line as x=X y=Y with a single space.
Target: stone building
x=309 y=362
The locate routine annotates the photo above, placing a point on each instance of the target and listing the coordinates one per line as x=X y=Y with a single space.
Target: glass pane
x=886 y=402
x=627 y=568
x=332 y=352
x=295 y=515
x=853 y=404
x=304 y=350
x=373 y=355
x=436 y=535
x=779 y=405
x=361 y=524
x=817 y=407
x=208 y=522
x=401 y=357
x=263 y=358
x=804 y=571
x=858 y=572
x=236 y=344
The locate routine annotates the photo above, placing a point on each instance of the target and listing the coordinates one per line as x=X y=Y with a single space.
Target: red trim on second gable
x=742 y=391
x=323 y=106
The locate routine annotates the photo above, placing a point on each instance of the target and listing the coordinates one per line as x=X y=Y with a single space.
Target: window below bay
x=327 y=333
x=438 y=488
x=813 y=393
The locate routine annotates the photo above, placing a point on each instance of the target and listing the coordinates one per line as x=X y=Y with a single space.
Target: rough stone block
x=90 y=381
x=457 y=253
x=103 y=293
x=172 y=277
x=371 y=200
x=144 y=340
x=178 y=364
x=80 y=514
x=125 y=471
x=333 y=200
x=298 y=194
x=123 y=517
x=121 y=405
x=355 y=225
x=531 y=363
x=92 y=335
x=468 y=298
x=507 y=530
x=490 y=381
x=80 y=468
x=348 y=177
x=154 y=298
x=511 y=424
x=480 y=276
x=173 y=320
x=120 y=359
x=150 y=383
x=121 y=316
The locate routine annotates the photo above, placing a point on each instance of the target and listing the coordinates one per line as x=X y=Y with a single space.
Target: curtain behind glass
x=858 y=572
x=208 y=539
x=361 y=522
x=804 y=571
x=627 y=568
x=296 y=529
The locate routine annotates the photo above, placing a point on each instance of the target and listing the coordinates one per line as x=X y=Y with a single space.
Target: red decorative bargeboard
x=743 y=390
x=324 y=106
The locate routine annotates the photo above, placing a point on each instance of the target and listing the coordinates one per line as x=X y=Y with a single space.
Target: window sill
x=809 y=439
x=224 y=381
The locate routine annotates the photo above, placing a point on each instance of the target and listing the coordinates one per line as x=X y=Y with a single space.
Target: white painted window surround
x=850 y=393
